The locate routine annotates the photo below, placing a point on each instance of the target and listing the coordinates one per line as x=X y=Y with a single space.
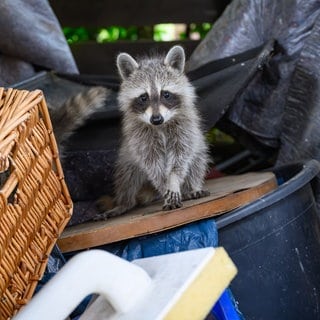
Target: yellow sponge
x=201 y=293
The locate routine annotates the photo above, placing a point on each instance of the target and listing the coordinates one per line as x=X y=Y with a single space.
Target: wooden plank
x=99 y=13
x=95 y=58
x=227 y=193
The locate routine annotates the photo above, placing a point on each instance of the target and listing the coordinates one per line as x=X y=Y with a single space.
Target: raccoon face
x=156 y=107
x=151 y=89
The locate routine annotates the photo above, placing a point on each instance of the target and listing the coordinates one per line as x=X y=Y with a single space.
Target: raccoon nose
x=156 y=119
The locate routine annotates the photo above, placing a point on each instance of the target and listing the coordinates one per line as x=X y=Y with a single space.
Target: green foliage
x=164 y=32
x=200 y=28
x=100 y=35
x=160 y=32
x=76 y=34
x=115 y=33
x=215 y=136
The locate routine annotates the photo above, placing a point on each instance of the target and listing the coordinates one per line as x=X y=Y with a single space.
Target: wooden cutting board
x=227 y=193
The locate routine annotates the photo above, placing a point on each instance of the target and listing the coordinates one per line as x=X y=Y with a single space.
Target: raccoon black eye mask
x=162 y=145
x=167 y=99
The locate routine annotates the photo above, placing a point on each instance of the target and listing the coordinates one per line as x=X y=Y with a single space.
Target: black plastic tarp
x=31 y=38
x=279 y=107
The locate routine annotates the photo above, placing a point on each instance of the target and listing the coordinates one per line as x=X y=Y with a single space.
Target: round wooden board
x=227 y=193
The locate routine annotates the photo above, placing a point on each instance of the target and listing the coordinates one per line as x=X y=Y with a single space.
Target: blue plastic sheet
x=196 y=235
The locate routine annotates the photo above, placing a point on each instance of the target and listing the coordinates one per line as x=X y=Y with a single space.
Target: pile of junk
x=257 y=78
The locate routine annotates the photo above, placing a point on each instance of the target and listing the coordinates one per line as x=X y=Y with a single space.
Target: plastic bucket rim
x=308 y=172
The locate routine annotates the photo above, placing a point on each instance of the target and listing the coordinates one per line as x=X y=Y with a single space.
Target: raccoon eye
x=143 y=97
x=166 y=94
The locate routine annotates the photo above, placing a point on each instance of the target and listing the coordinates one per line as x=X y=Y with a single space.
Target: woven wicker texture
x=35 y=204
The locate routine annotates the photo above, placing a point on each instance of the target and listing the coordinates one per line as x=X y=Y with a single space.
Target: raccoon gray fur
x=74 y=111
x=162 y=141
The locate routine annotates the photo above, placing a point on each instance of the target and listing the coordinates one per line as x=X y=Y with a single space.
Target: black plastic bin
x=275 y=243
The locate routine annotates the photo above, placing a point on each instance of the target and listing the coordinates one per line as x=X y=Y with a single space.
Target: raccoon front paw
x=172 y=200
x=196 y=194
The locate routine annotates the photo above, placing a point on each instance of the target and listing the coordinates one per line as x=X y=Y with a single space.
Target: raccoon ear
x=176 y=58
x=126 y=65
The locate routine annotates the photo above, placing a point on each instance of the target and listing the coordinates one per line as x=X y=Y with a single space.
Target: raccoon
x=162 y=142
x=74 y=111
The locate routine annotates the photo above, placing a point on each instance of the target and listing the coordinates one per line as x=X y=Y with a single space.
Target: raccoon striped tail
x=73 y=113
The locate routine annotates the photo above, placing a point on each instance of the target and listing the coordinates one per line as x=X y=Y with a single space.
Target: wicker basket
x=35 y=204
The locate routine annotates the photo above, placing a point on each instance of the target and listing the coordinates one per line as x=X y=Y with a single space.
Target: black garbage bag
x=222 y=82
x=31 y=40
x=278 y=107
